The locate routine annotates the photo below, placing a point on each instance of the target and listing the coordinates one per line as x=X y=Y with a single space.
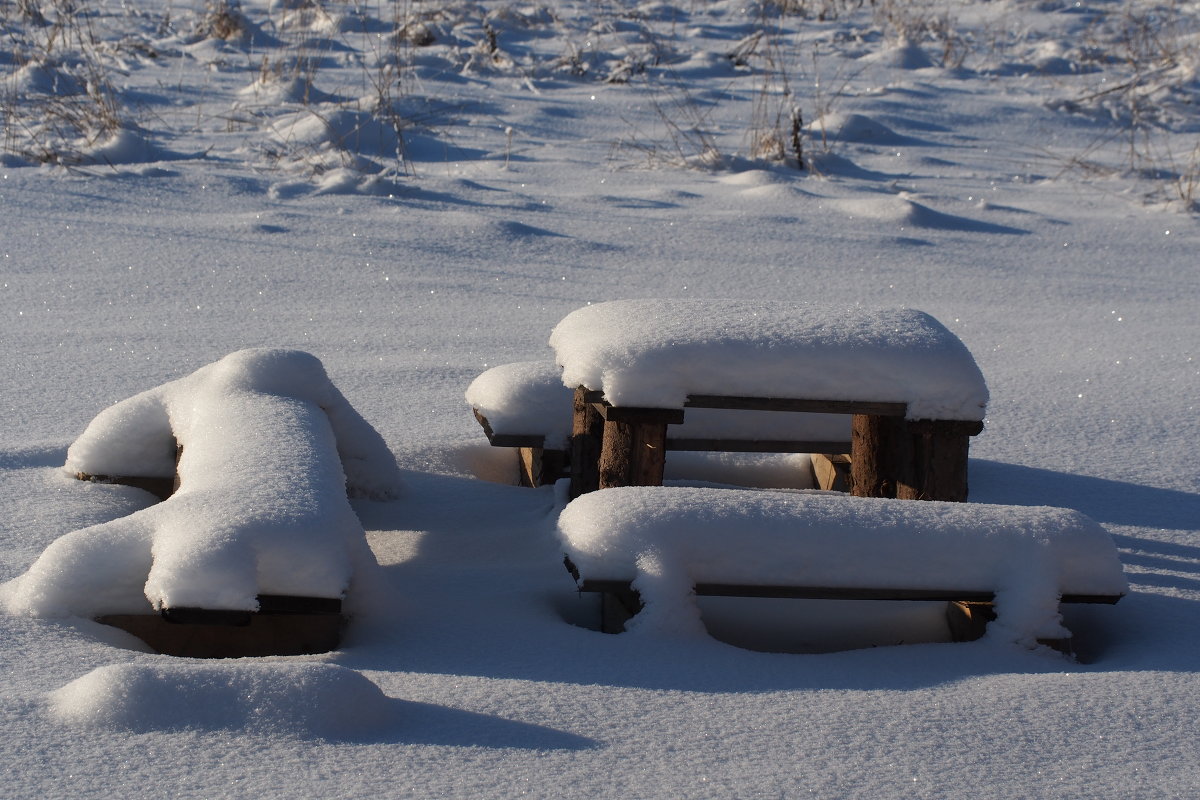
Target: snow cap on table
x=1027 y=555
x=654 y=353
x=270 y=450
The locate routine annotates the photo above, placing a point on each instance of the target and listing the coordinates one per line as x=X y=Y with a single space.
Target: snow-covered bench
x=259 y=524
x=526 y=406
x=911 y=387
x=649 y=549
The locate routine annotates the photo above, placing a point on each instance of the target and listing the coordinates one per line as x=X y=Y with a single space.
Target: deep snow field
x=416 y=208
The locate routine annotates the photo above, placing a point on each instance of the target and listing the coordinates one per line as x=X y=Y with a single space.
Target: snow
x=526 y=398
x=289 y=700
x=1029 y=556
x=261 y=507
x=655 y=353
x=1044 y=214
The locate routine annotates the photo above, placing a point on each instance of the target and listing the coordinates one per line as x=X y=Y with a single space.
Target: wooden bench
x=283 y=625
x=796 y=545
x=226 y=494
x=967 y=611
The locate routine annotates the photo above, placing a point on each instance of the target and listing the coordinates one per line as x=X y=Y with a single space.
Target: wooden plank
x=162 y=488
x=883 y=409
x=263 y=635
x=538 y=466
x=754 y=445
x=283 y=625
x=839 y=592
x=508 y=439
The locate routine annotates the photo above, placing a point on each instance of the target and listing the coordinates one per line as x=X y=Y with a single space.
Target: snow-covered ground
x=416 y=209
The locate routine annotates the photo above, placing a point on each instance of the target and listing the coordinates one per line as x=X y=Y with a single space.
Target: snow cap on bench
x=271 y=449
x=666 y=539
x=654 y=353
x=526 y=398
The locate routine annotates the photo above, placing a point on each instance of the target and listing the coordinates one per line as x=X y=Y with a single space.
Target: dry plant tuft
x=222 y=19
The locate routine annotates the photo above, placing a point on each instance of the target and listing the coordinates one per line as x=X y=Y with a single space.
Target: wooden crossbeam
x=755 y=445
x=837 y=592
x=879 y=409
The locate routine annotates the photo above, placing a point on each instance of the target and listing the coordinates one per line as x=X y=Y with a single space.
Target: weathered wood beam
x=754 y=445
x=882 y=409
x=633 y=454
x=587 y=435
x=839 y=592
x=938 y=452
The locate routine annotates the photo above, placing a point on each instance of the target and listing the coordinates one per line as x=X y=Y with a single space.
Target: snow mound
x=856 y=128
x=127 y=146
x=904 y=212
x=307 y=700
x=655 y=353
x=905 y=54
x=270 y=451
x=42 y=78
x=666 y=539
x=282 y=91
x=342 y=129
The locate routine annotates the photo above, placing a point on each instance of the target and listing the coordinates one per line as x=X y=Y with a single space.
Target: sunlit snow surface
x=1016 y=169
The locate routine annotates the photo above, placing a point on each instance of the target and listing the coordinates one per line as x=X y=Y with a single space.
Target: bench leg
x=587 y=434
x=617 y=608
x=968 y=621
x=633 y=454
x=539 y=467
x=938 y=460
x=918 y=460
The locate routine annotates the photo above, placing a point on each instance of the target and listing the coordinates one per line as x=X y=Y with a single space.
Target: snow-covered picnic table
x=910 y=386
x=658 y=546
